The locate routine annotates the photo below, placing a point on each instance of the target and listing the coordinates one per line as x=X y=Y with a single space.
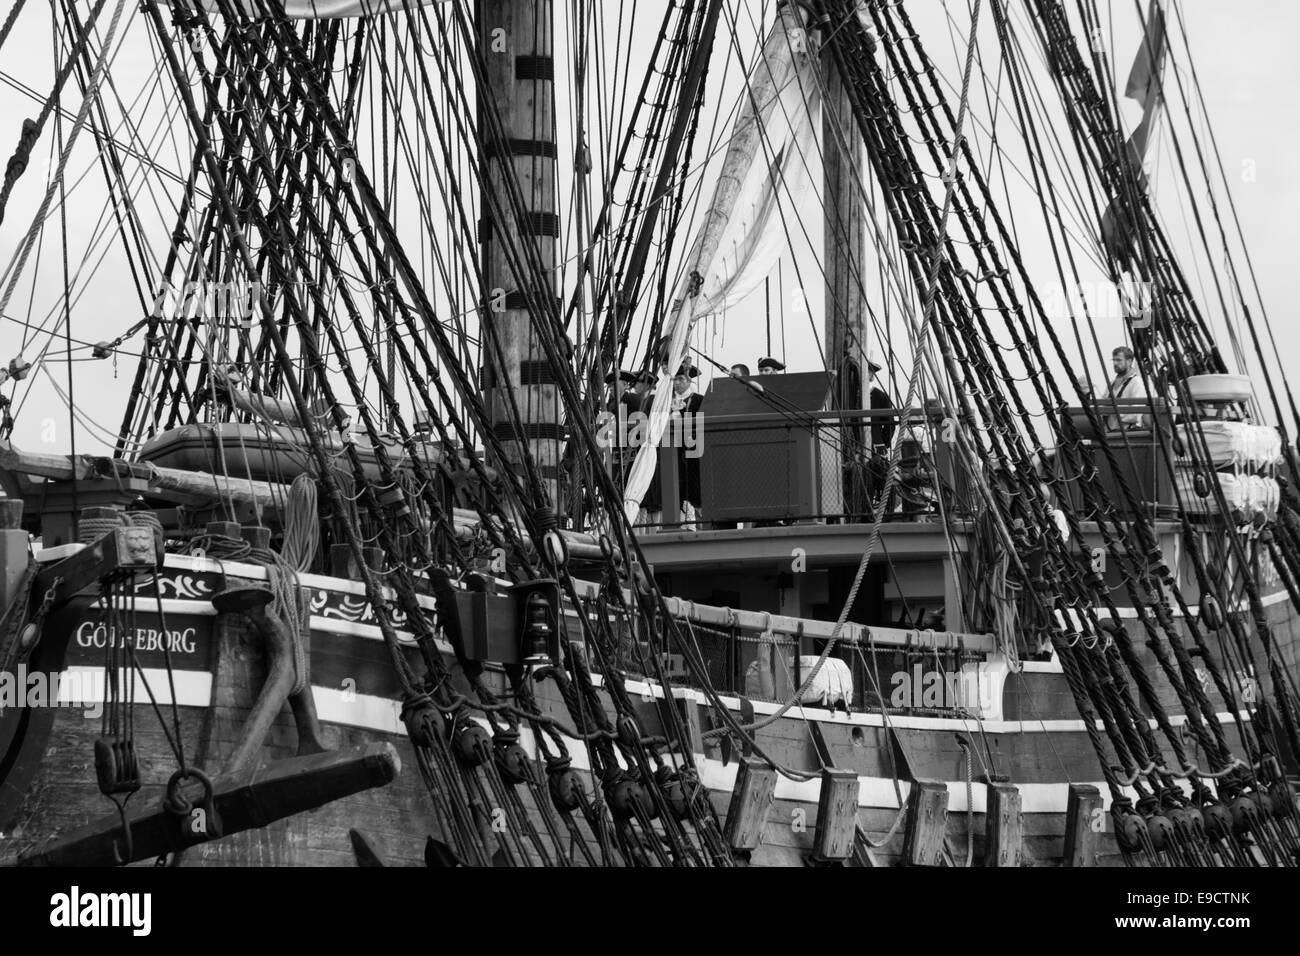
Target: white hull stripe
x=648 y=690
x=194 y=689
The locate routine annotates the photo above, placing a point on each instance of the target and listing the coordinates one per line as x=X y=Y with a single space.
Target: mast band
x=532 y=67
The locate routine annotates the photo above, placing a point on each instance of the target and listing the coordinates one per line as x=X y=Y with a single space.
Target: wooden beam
x=245 y=800
x=1003 y=826
x=60 y=467
x=693 y=726
x=124 y=550
x=927 y=821
x=1080 y=837
x=751 y=799
x=196 y=487
x=837 y=816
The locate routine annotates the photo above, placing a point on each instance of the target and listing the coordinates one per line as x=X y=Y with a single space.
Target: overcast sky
x=1244 y=53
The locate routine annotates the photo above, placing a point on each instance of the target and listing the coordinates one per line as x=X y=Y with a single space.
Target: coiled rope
x=301 y=524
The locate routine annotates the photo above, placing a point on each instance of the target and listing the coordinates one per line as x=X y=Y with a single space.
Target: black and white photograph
x=501 y=434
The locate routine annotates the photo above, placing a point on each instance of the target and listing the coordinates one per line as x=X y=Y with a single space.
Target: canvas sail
x=741 y=236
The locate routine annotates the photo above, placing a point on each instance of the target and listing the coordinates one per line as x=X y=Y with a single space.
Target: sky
x=1243 y=52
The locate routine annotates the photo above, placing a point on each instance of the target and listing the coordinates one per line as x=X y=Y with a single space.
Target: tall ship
x=746 y=433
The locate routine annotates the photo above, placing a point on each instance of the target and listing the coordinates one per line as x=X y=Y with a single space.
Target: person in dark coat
x=882 y=436
x=624 y=399
x=686 y=404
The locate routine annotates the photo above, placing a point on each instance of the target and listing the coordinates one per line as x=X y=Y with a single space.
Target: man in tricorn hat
x=686 y=403
x=770 y=366
x=621 y=381
x=882 y=433
x=882 y=429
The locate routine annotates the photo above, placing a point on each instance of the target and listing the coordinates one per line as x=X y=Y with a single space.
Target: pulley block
x=565 y=785
x=423 y=720
x=511 y=759
x=626 y=796
x=116 y=767
x=470 y=742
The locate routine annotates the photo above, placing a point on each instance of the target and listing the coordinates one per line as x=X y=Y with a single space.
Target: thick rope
x=92 y=91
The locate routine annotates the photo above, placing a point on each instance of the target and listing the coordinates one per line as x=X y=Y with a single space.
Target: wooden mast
x=516 y=37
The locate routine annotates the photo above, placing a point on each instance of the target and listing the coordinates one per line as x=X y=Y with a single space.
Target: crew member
x=770 y=366
x=686 y=403
x=882 y=435
x=1125 y=387
x=740 y=370
x=882 y=428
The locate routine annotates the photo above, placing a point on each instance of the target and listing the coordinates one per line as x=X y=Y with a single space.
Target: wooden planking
x=750 y=802
x=927 y=817
x=1080 y=838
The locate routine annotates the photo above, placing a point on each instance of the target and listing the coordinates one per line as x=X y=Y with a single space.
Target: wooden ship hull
x=256 y=715
x=1004 y=783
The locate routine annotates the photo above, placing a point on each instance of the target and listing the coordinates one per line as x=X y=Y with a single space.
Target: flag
x=1144 y=86
x=1144 y=79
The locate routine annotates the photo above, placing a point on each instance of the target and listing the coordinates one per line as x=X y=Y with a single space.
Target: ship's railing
x=767 y=657
x=804 y=467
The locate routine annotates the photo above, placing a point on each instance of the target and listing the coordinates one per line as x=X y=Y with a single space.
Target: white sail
x=742 y=235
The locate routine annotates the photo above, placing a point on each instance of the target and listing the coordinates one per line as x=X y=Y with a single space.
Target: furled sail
x=741 y=236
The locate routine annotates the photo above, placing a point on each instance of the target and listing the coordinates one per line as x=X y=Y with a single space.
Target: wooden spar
x=516 y=38
x=37 y=465
x=190 y=487
x=245 y=800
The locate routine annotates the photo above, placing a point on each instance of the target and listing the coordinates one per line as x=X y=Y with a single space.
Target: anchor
x=252 y=602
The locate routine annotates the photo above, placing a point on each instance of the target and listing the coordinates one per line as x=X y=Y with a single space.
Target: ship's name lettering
x=89 y=634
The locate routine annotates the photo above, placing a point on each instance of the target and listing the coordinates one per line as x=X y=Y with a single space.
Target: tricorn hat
x=689 y=370
x=769 y=362
x=623 y=375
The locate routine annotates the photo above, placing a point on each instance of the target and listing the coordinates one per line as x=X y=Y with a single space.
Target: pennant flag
x=1144 y=86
